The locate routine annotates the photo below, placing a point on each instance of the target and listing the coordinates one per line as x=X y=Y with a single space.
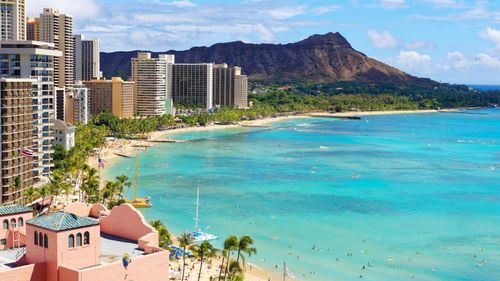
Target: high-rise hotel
x=192 y=84
x=33 y=60
x=13 y=20
x=87 y=58
x=152 y=83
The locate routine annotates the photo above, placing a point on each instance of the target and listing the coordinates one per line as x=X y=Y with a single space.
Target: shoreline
x=130 y=148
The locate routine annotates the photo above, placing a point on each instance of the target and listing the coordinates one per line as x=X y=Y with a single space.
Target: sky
x=454 y=41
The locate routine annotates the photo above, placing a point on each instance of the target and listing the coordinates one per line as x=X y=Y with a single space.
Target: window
x=5 y=224
x=13 y=223
x=36 y=238
x=86 y=238
x=40 y=239
x=78 y=239
x=3 y=242
x=20 y=222
x=45 y=241
x=71 y=241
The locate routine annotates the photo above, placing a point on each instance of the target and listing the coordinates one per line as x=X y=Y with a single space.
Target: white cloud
x=412 y=59
x=492 y=35
x=182 y=4
x=459 y=61
x=392 y=4
x=79 y=9
x=420 y=45
x=382 y=39
x=479 y=11
x=326 y=9
x=282 y=13
x=445 y=3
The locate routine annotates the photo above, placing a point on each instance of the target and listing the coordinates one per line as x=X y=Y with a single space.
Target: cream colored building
x=13 y=20
x=57 y=28
x=115 y=96
x=152 y=77
x=230 y=87
x=87 y=58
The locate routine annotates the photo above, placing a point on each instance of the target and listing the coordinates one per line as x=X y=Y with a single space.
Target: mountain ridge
x=320 y=58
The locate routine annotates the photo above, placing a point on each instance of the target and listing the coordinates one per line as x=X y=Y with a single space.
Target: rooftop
x=8 y=259
x=113 y=248
x=14 y=209
x=62 y=221
x=61 y=125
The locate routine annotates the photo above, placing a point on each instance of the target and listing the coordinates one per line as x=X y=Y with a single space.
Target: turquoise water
x=415 y=196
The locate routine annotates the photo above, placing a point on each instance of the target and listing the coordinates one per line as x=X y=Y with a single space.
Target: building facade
x=78 y=105
x=152 y=77
x=87 y=58
x=57 y=28
x=33 y=29
x=115 y=96
x=60 y=102
x=240 y=89
x=192 y=84
x=230 y=87
x=35 y=60
x=64 y=134
x=12 y=20
x=83 y=243
x=16 y=122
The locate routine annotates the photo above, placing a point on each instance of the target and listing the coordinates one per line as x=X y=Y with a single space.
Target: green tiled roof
x=61 y=221
x=13 y=209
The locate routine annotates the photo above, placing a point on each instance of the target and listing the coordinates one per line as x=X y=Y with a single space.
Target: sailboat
x=139 y=202
x=198 y=234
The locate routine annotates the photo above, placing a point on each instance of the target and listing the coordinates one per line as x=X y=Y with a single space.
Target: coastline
x=111 y=154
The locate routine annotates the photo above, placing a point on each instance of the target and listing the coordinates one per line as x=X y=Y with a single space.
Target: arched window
x=36 y=237
x=5 y=224
x=45 y=241
x=40 y=239
x=78 y=239
x=20 y=222
x=13 y=223
x=71 y=241
x=86 y=238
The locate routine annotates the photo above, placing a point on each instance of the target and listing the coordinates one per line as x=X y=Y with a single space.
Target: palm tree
x=244 y=246
x=185 y=239
x=163 y=234
x=235 y=272
x=230 y=245
x=123 y=181
x=31 y=194
x=205 y=250
x=16 y=185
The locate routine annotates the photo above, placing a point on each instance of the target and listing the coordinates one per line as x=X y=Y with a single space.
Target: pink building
x=87 y=243
x=13 y=230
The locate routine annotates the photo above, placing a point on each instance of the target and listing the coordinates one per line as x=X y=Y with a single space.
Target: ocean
x=485 y=87
x=391 y=197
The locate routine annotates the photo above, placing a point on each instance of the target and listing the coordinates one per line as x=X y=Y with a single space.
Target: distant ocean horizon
x=400 y=198
x=484 y=87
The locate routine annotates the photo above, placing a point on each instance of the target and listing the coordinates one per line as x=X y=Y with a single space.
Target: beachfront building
x=192 y=84
x=87 y=58
x=78 y=104
x=64 y=134
x=230 y=87
x=12 y=20
x=35 y=60
x=115 y=96
x=87 y=243
x=16 y=119
x=57 y=28
x=152 y=77
x=33 y=29
x=13 y=218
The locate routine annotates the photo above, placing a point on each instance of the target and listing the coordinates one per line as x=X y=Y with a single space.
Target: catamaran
x=198 y=234
x=139 y=202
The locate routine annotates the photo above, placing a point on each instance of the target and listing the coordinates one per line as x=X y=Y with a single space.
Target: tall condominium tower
x=87 y=58
x=13 y=20
x=57 y=28
x=115 y=96
x=78 y=105
x=16 y=119
x=152 y=82
x=35 y=60
x=33 y=29
x=229 y=86
x=192 y=84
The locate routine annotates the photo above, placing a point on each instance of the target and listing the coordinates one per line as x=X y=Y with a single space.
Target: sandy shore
x=211 y=269
x=371 y=113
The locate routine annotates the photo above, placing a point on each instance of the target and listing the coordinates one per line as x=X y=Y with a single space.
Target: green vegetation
x=202 y=251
